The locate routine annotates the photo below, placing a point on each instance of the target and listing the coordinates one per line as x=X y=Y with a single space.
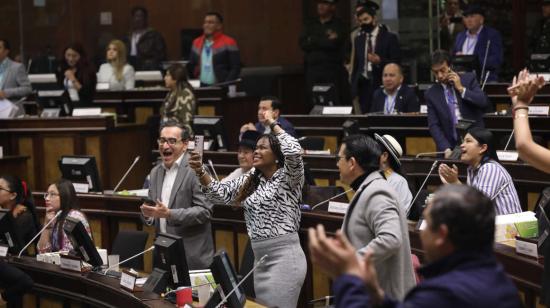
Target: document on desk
x=7 y=109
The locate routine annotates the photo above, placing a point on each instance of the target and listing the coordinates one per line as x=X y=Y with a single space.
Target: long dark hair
x=484 y=136
x=253 y=180
x=85 y=72
x=23 y=195
x=68 y=201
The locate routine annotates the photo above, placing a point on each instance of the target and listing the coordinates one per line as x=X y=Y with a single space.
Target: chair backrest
x=128 y=243
x=312 y=195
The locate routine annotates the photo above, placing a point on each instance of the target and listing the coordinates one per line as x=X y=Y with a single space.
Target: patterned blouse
x=179 y=106
x=65 y=244
x=273 y=209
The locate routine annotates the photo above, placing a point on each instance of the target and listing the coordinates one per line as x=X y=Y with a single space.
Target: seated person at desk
x=180 y=103
x=77 y=75
x=180 y=206
x=61 y=196
x=394 y=97
x=14 y=196
x=214 y=57
x=453 y=97
x=245 y=154
x=391 y=166
x=458 y=244
x=271 y=103
x=484 y=171
x=14 y=82
x=116 y=72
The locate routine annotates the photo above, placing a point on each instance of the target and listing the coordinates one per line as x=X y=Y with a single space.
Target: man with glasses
x=180 y=207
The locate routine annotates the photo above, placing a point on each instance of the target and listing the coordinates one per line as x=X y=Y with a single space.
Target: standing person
x=14 y=82
x=180 y=206
x=61 y=196
x=540 y=41
x=146 y=45
x=477 y=38
x=462 y=270
x=450 y=24
x=245 y=154
x=214 y=56
x=15 y=197
x=484 y=171
x=77 y=75
x=391 y=166
x=374 y=220
x=270 y=194
x=453 y=97
x=323 y=42
x=180 y=103
x=117 y=72
x=374 y=47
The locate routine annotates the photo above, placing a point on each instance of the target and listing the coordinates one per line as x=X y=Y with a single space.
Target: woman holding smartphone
x=269 y=193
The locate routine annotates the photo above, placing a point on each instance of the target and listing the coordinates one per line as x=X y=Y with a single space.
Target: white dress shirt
x=470 y=42
x=167 y=184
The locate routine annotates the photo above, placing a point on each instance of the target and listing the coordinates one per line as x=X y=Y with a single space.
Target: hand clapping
x=524 y=87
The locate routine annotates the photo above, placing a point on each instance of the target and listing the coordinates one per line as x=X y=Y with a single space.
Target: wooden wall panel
x=415 y=145
x=26 y=148
x=54 y=148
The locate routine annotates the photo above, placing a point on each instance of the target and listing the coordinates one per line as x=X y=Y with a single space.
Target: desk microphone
x=485 y=80
x=499 y=191
x=338 y=195
x=126 y=174
x=128 y=259
x=428 y=154
x=327 y=299
x=224 y=298
x=213 y=170
x=424 y=183
x=40 y=232
x=485 y=59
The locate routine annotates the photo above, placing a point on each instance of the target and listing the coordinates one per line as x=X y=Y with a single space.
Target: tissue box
x=507 y=227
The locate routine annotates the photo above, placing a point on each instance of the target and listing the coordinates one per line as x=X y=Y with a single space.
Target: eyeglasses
x=170 y=141
x=50 y=195
x=340 y=157
x=2 y=188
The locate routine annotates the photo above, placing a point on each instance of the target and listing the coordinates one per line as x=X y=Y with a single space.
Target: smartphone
x=148 y=201
x=199 y=144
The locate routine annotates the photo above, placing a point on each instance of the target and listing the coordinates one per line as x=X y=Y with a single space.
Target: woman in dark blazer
x=77 y=75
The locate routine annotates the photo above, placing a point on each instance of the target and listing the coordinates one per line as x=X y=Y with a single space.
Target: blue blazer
x=494 y=57
x=472 y=107
x=406 y=100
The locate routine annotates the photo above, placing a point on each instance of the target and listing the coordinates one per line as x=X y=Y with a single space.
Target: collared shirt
x=207 y=68
x=134 y=40
x=368 y=65
x=389 y=102
x=470 y=42
x=167 y=184
x=401 y=187
x=3 y=68
x=496 y=183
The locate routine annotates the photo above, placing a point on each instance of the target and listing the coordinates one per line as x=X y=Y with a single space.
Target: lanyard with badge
x=471 y=41
x=389 y=104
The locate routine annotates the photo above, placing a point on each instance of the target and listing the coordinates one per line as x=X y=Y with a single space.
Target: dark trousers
x=365 y=89
x=15 y=283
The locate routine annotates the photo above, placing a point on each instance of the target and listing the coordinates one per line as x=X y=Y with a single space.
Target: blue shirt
x=207 y=68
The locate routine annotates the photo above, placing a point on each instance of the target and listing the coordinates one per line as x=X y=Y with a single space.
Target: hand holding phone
x=199 y=144
x=148 y=201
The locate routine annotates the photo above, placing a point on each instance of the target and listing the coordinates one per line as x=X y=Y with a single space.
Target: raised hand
x=524 y=87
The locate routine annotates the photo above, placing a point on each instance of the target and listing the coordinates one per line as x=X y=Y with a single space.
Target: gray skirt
x=278 y=281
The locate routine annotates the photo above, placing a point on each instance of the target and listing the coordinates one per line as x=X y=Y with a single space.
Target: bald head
x=392 y=77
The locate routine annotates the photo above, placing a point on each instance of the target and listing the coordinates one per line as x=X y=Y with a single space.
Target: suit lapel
x=160 y=180
x=182 y=173
x=356 y=197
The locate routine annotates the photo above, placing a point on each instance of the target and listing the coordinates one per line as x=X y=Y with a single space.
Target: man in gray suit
x=14 y=82
x=181 y=207
x=374 y=220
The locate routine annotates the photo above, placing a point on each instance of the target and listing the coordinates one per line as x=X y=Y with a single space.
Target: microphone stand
x=128 y=259
x=126 y=174
x=485 y=59
x=224 y=298
x=424 y=183
x=38 y=234
x=428 y=153
x=213 y=170
x=338 y=195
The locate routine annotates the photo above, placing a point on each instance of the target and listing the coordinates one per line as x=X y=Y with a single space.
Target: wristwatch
x=272 y=125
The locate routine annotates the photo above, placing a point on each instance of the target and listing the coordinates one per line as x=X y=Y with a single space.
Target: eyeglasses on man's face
x=170 y=141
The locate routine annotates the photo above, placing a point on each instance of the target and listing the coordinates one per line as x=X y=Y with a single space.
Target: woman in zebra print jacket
x=270 y=194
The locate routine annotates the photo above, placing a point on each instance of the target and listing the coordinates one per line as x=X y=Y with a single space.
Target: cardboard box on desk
x=507 y=227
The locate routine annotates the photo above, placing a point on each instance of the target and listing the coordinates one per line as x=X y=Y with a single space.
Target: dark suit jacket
x=190 y=214
x=494 y=57
x=285 y=125
x=471 y=107
x=386 y=47
x=406 y=100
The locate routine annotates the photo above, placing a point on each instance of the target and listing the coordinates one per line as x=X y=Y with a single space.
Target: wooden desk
x=529 y=181
x=51 y=282
x=15 y=165
x=45 y=140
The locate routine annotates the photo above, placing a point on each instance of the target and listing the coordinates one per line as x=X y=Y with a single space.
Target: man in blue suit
x=474 y=41
x=453 y=97
x=394 y=97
